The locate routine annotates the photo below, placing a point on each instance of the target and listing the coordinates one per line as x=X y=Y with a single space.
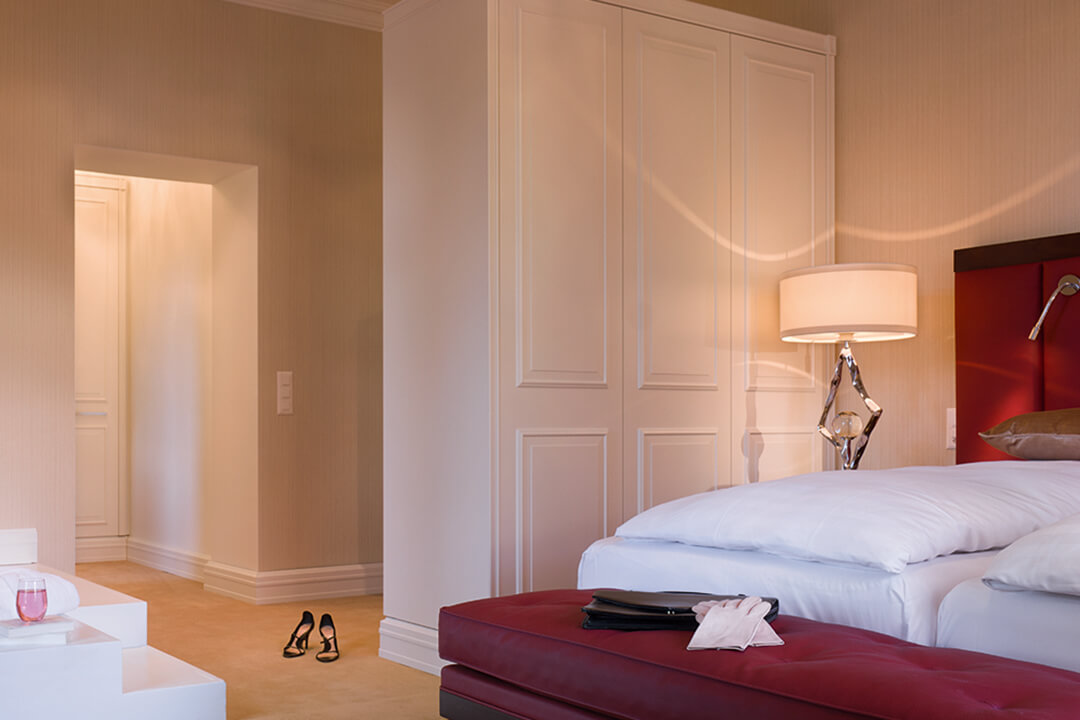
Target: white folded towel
x=733 y=625
x=62 y=595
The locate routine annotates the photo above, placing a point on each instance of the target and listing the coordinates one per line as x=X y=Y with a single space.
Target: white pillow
x=883 y=519
x=1046 y=560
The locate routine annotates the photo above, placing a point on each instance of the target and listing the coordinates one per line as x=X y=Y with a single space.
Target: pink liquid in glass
x=31 y=604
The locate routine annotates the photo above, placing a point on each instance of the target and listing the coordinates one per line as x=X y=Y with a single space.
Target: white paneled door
x=676 y=260
x=560 y=254
x=781 y=220
x=99 y=356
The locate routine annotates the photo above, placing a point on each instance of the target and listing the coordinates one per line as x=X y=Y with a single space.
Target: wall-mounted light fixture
x=1067 y=285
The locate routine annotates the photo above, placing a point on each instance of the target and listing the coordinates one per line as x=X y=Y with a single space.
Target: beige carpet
x=241 y=644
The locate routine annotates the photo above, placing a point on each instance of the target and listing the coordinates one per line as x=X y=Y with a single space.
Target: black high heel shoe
x=329 y=652
x=298 y=641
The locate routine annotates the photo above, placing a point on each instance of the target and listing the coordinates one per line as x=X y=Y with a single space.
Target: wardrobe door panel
x=560 y=255
x=556 y=105
x=562 y=484
x=781 y=221
x=676 y=259
x=676 y=463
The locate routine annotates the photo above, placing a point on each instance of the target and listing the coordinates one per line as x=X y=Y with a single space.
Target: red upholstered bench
x=527 y=656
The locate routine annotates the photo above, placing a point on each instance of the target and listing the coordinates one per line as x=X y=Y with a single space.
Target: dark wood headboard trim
x=1057 y=247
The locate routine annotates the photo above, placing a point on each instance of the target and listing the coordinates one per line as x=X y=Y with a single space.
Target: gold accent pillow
x=1048 y=435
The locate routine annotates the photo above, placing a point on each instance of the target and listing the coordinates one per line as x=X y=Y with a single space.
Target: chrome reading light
x=866 y=302
x=1067 y=285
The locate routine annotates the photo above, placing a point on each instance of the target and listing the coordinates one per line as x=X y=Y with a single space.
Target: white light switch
x=284 y=392
x=950 y=428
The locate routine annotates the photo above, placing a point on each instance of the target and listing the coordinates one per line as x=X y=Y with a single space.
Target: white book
x=34 y=640
x=55 y=625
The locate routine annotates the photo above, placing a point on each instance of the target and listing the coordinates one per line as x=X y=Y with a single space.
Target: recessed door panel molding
x=781 y=453
x=677 y=224
x=560 y=82
x=92 y=491
x=562 y=503
x=675 y=462
x=95 y=300
x=781 y=185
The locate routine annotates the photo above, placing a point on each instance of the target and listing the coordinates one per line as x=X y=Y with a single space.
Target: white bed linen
x=904 y=605
x=1023 y=625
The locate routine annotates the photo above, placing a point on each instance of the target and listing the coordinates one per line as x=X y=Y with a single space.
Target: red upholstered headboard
x=1000 y=291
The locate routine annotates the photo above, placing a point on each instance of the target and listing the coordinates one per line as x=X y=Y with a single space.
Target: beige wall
x=297 y=98
x=169 y=283
x=232 y=495
x=815 y=15
x=956 y=125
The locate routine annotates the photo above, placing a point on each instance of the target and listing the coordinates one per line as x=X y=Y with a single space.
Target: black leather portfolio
x=636 y=610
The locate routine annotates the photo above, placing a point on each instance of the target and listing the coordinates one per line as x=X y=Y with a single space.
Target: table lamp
x=848 y=303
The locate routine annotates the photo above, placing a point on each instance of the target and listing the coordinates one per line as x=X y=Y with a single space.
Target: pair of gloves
x=732 y=625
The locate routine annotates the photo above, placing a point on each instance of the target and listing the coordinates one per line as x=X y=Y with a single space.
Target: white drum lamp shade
x=849 y=303
x=856 y=302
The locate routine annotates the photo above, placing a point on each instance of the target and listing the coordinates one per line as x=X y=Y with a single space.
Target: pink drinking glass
x=31 y=599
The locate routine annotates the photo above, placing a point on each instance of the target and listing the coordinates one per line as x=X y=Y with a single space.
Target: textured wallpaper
x=301 y=100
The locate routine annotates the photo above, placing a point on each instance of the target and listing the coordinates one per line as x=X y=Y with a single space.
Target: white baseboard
x=229 y=580
x=260 y=588
x=100 y=549
x=406 y=643
x=178 y=562
x=276 y=586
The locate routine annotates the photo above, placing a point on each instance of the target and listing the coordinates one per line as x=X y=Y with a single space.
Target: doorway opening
x=166 y=293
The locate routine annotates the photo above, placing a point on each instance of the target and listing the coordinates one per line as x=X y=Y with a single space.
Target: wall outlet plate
x=950 y=428
x=284 y=392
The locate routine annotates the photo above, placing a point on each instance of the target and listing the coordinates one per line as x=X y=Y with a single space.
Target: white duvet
x=882 y=519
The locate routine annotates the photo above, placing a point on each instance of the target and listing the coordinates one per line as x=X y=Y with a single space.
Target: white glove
x=733 y=625
x=702 y=609
x=764 y=635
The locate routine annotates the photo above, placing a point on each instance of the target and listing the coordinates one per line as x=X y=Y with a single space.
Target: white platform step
x=81 y=678
x=159 y=686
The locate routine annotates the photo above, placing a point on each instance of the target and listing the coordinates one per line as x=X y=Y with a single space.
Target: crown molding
x=403 y=9
x=364 y=14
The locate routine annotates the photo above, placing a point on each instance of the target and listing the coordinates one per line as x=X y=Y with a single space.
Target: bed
x=1000 y=291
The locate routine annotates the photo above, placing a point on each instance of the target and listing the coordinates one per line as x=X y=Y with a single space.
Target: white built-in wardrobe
x=587 y=208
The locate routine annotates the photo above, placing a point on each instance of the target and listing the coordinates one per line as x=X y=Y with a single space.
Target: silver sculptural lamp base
x=847 y=433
